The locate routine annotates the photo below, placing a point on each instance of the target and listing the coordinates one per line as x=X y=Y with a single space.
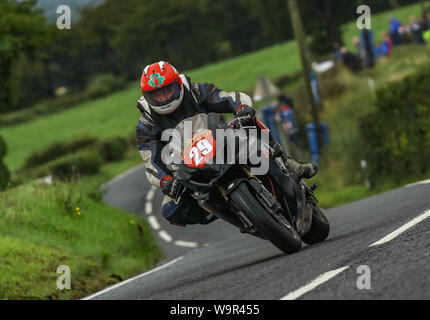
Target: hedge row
x=58 y=150
x=83 y=156
x=395 y=139
x=4 y=172
x=112 y=149
x=103 y=85
x=83 y=163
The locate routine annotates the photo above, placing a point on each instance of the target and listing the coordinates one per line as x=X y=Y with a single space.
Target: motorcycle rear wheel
x=319 y=230
x=284 y=238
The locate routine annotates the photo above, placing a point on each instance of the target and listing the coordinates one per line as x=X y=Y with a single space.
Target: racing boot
x=302 y=170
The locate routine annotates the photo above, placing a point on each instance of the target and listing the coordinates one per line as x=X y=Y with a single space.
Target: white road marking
x=187 y=244
x=165 y=236
x=417 y=183
x=153 y=222
x=150 y=194
x=313 y=284
x=156 y=225
x=132 y=279
x=395 y=233
x=148 y=208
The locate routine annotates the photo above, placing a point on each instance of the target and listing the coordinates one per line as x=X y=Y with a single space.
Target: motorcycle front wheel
x=281 y=234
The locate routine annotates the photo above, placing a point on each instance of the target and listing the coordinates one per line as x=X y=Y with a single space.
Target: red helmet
x=162 y=87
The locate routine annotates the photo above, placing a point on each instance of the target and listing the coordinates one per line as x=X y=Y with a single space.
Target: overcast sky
x=50 y=6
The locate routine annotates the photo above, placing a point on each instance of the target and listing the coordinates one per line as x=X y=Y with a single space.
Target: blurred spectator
x=386 y=45
x=368 y=43
x=284 y=114
x=359 y=50
x=428 y=21
x=416 y=30
x=395 y=26
x=350 y=60
x=337 y=53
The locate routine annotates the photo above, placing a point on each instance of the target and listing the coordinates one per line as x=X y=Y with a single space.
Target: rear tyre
x=284 y=238
x=319 y=230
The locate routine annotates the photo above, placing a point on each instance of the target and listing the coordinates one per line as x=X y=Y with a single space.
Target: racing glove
x=277 y=151
x=171 y=186
x=245 y=117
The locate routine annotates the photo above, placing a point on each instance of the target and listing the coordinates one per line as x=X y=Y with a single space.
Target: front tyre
x=319 y=230
x=283 y=237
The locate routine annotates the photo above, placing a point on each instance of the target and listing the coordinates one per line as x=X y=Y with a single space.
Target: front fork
x=218 y=208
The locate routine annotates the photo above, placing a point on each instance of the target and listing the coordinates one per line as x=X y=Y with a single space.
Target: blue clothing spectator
x=384 y=48
x=284 y=113
x=367 y=41
x=394 y=31
x=417 y=31
x=386 y=45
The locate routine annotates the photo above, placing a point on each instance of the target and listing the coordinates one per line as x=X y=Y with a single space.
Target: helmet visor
x=163 y=96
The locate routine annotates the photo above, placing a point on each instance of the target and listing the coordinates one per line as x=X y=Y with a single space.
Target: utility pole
x=299 y=34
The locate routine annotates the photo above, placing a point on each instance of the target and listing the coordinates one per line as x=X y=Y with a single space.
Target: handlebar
x=231 y=124
x=258 y=124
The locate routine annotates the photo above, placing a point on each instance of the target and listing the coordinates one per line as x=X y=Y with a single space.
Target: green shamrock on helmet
x=160 y=80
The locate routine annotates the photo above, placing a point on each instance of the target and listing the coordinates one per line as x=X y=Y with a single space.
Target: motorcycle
x=276 y=206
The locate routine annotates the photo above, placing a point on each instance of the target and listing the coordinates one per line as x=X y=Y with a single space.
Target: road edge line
x=132 y=279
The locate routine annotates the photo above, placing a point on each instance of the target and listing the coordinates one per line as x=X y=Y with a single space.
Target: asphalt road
x=217 y=262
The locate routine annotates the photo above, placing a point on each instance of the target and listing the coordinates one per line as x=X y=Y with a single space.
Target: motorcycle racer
x=169 y=97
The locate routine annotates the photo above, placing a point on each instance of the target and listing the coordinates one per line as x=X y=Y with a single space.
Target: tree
x=188 y=33
x=22 y=30
x=323 y=19
x=273 y=16
x=86 y=51
x=394 y=3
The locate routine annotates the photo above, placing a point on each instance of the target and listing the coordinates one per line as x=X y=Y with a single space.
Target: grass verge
x=44 y=226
